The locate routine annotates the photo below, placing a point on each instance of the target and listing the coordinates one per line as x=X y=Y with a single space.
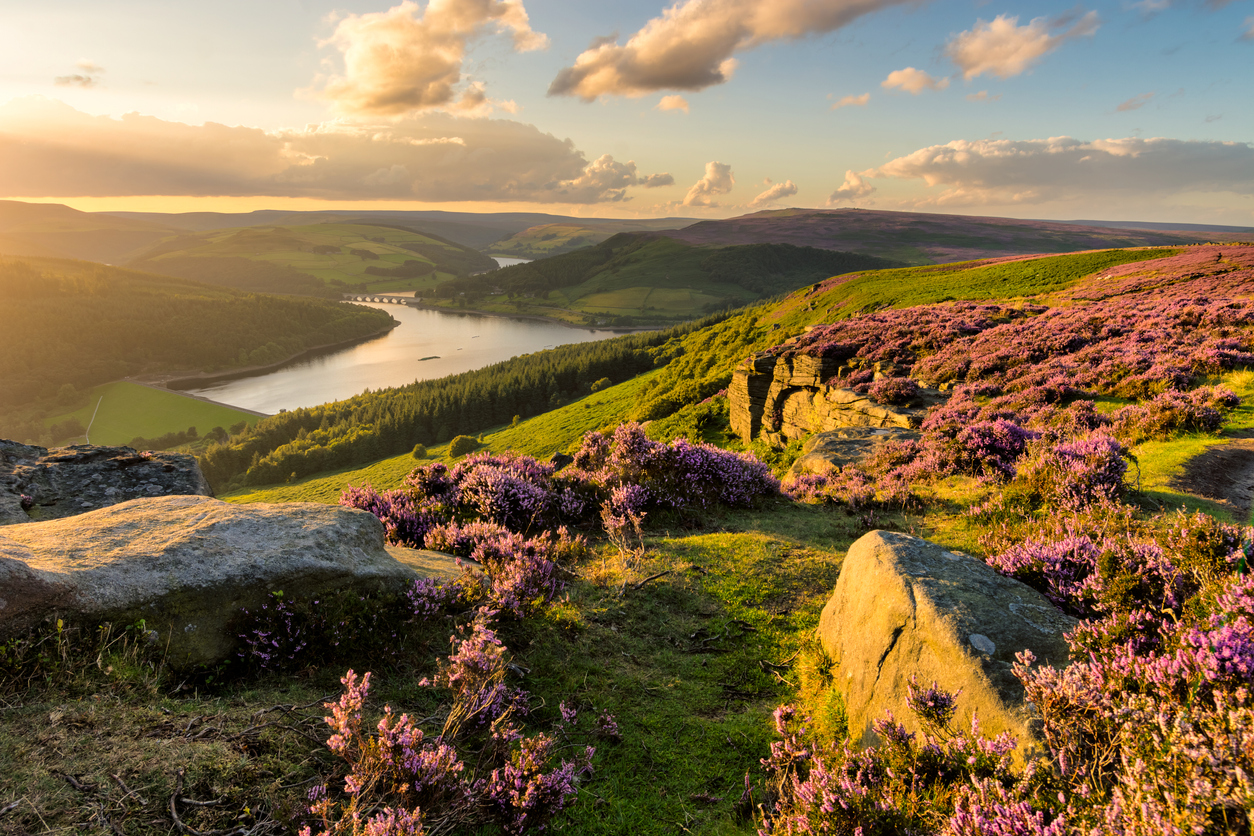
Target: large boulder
x=66 y=481
x=906 y=607
x=827 y=452
x=187 y=565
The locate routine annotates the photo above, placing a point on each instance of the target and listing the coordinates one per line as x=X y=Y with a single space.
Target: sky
x=633 y=108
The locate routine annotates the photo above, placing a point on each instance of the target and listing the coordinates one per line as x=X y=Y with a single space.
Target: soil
x=1224 y=474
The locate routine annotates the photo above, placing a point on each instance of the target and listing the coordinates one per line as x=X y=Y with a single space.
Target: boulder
x=187 y=565
x=906 y=607
x=66 y=481
x=829 y=451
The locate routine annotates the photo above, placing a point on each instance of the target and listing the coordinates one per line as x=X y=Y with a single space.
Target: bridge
x=376 y=297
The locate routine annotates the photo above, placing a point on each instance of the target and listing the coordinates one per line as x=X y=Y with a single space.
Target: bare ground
x=1224 y=474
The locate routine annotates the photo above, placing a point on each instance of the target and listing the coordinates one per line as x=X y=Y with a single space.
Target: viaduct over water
x=376 y=297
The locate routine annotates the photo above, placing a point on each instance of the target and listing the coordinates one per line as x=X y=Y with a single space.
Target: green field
x=123 y=411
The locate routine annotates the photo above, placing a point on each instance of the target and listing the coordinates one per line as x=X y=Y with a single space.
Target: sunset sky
x=622 y=108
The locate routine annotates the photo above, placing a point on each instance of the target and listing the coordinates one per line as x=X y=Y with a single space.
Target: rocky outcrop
x=784 y=394
x=826 y=452
x=905 y=607
x=66 y=481
x=187 y=565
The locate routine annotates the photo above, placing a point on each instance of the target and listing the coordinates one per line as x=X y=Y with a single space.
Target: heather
x=1148 y=729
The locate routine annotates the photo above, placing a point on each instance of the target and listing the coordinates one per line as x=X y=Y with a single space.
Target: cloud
x=88 y=77
x=982 y=96
x=1063 y=168
x=52 y=150
x=854 y=188
x=1005 y=49
x=692 y=45
x=718 y=180
x=849 y=101
x=673 y=103
x=655 y=181
x=407 y=59
x=1135 y=102
x=775 y=193
x=913 y=81
x=1248 y=34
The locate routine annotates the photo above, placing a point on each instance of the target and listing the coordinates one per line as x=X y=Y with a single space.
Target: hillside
x=55 y=231
x=71 y=325
x=648 y=278
x=320 y=259
x=548 y=240
x=926 y=238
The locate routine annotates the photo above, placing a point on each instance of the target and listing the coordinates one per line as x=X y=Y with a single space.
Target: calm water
x=454 y=342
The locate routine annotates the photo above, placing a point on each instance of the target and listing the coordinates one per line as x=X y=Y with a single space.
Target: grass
x=127 y=410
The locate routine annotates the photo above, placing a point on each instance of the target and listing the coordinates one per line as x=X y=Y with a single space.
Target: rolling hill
x=925 y=238
x=317 y=259
x=51 y=230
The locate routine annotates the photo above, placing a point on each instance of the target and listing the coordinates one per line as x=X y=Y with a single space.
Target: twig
x=9 y=808
x=76 y=784
x=129 y=792
x=650 y=578
x=191 y=831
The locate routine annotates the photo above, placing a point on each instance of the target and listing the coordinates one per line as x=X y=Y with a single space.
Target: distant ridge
x=1240 y=230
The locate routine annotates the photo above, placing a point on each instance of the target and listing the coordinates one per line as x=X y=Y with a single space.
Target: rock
x=187 y=565
x=904 y=606
x=829 y=451
x=561 y=460
x=66 y=481
x=783 y=394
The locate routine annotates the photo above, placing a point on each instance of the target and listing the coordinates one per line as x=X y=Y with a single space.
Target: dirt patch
x=1224 y=474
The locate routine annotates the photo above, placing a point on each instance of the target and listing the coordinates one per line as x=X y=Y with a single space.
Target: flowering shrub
x=1076 y=473
x=894 y=390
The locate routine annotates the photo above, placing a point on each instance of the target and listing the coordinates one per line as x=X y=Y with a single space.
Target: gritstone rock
x=904 y=606
x=66 y=481
x=187 y=565
x=827 y=452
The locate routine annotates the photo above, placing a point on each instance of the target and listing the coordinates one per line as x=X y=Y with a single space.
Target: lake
x=427 y=344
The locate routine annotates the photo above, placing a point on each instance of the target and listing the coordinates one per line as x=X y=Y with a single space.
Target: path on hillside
x=1225 y=474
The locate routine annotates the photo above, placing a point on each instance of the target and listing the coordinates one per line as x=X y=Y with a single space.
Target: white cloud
x=848 y=101
x=693 y=44
x=718 y=180
x=1062 y=168
x=854 y=188
x=1005 y=49
x=52 y=150
x=913 y=81
x=673 y=103
x=408 y=59
x=775 y=193
x=1135 y=102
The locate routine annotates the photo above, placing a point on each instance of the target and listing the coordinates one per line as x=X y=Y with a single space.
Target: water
x=452 y=342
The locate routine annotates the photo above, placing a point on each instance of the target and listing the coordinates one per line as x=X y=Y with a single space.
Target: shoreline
x=552 y=320
x=176 y=382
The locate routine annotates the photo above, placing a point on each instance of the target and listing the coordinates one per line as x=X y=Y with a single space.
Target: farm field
x=118 y=412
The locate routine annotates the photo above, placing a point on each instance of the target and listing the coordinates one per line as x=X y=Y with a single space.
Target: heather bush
x=1072 y=474
x=894 y=390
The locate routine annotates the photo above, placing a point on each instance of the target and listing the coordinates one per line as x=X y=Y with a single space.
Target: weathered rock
x=187 y=565
x=783 y=394
x=66 y=481
x=829 y=451
x=904 y=606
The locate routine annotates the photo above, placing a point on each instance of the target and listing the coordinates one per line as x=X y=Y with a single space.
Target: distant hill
x=637 y=277
x=56 y=231
x=318 y=259
x=547 y=240
x=923 y=238
x=479 y=230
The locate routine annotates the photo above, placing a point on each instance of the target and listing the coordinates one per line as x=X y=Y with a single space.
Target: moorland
x=641 y=633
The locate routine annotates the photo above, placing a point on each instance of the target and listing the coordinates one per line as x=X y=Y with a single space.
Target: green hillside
x=71 y=325
x=56 y=231
x=646 y=278
x=320 y=259
x=548 y=240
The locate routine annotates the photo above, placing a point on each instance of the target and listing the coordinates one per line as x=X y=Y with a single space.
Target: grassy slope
x=552 y=239
x=125 y=410
x=292 y=247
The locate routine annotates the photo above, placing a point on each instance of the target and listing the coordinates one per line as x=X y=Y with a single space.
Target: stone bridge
x=377 y=297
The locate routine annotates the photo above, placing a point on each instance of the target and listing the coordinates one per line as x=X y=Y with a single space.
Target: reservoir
x=427 y=344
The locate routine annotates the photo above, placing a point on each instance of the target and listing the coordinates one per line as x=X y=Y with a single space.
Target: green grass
x=127 y=410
